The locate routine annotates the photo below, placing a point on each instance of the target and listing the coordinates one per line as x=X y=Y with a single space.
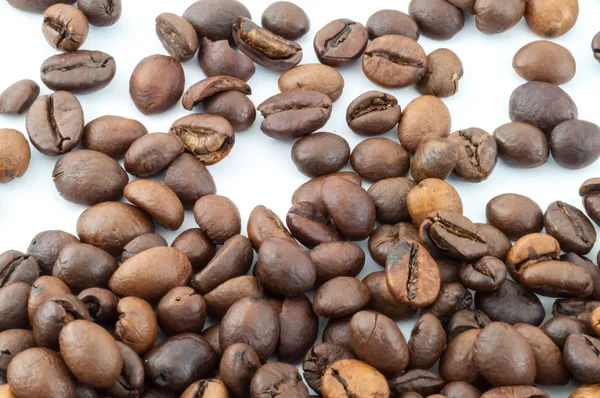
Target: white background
x=259 y=169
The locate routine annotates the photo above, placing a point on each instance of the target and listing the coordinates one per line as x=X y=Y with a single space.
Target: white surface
x=259 y=169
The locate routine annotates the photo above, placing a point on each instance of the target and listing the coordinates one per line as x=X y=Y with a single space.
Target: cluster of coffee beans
x=117 y=312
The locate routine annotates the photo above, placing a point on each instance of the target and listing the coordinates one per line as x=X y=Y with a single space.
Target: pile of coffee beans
x=114 y=311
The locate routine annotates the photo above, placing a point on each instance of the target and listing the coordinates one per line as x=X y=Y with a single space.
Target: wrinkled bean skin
x=511 y=303
x=477 y=154
x=427 y=342
x=206 y=387
x=18 y=267
x=340 y=42
x=485 y=275
x=570 y=227
x=65 y=27
x=444 y=70
x=101 y=13
x=578 y=309
x=177 y=36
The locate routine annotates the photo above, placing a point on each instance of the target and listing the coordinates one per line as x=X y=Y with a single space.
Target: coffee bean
x=333 y=259
x=83 y=266
x=286 y=19
x=310 y=191
x=424 y=118
x=515 y=391
x=19 y=267
x=464 y=320
x=181 y=310
x=427 y=342
x=444 y=70
x=379 y=158
x=14 y=155
x=156 y=84
x=280 y=379
x=595 y=320
x=542 y=104
x=545 y=61
x=177 y=36
x=337 y=331
x=234 y=106
x=453 y=297
x=55 y=123
x=53 y=315
x=559 y=327
x=42 y=289
x=218 y=217
x=264 y=224
x=521 y=145
x=449 y=269
x=152 y=153
x=100 y=303
x=394 y=61
x=432 y=195
x=299 y=327
x=316 y=77
x=586 y=391
x=37 y=6
x=320 y=153
x=137 y=325
x=319 y=358
x=551 y=18
x=54 y=380
x=485 y=275
x=389 y=197
x=589 y=191
x=582 y=356
x=112 y=135
x=340 y=296
x=142 y=243
x=264 y=47
x=238 y=366
x=575 y=144
x=392 y=22
x=209 y=137
x=514 y=215
x=158 y=200
x=340 y=42
x=420 y=381
x=13 y=342
x=373 y=113
x=477 y=154
x=437 y=19
x=434 y=159
x=578 y=309
x=511 y=303
x=557 y=279
x=196 y=246
x=79 y=72
x=573 y=230
x=221 y=298
x=311 y=225
x=65 y=27
x=596 y=46
x=131 y=380
x=531 y=249
x=217 y=58
x=206 y=388
x=356 y=376
x=101 y=13
x=18 y=97
x=457 y=362
x=460 y=389
x=210 y=86
x=497 y=16
x=213 y=18
x=189 y=179
x=382 y=300
x=498 y=244
x=14 y=312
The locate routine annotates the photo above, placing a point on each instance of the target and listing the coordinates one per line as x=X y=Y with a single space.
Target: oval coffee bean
x=311 y=225
x=18 y=97
x=189 y=179
x=340 y=42
x=560 y=327
x=14 y=312
x=221 y=298
x=557 y=279
x=444 y=70
x=131 y=380
x=514 y=215
x=582 y=356
x=210 y=86
x=521 y=145
x=310 y=191
x=477 y=154
x=18 y=267
x=42 y=289
x=299 y=327
x=485 y=275
x=213 y=18
x=432 y=195
x=137 y=325
x=181 y=310
x=382 y=300
x=319 y=358
x=545 y=61
x=379 y=158
x=217 y=58
x=340 y=296
x=14 y=155
x=80 y=72
x=83 y=266
x=237 y=367
x=333 y=259
x=575 y=144
x=177 y=36
x=218 y=217
x=498 y=244
x=424 y=118
x=427 y=342
x=196 y=246
x=389 y=197
x=392 y=22
x=100 y=303
x=418 y=381
x=13 y=342
x=437 y=19
x=263 y=224
x=493 y=16
x=286 y=19
x=142 y=243
x=373 y=113
x=279 y=379
x=464 y=320
x=341 y=377
x=152 y=153
x=337 y=331
x=112 y=135
x=234 y=106
x=570 y=227
x=551 y=18
x=578 y=309
x=65 y=27
x=101 y=13
x=457 y=362
x=435 y=159
x=316 y=77
x=531 y=249
x=320 y=153
x=158 y=200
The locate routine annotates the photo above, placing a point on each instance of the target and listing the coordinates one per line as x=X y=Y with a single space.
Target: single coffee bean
x=234 y=106
x=498 y=244
x=420 y=381
x=444 y=70
x=177 y=36
x=100 y=303
x=237 y=367
x=449 y=269
x=559 y=327
x=55 y=123
x=19 y=267
x=156 y=84
x=515 y=391
x=13 y=342
x=596 y=47
x=389 y=197
x=582 y=356
x=14 y=155
x=142 y=243
x=373 y=113
x=101 y=13
x=571 y=228
x=392 y=22
x=497 y=16
x=320 y=153
x=457 y=362
x=319 y=358
x=382 y=300
x=158 y=200
x=578 y=309
x=65 y=27
x=131 y=379
x=14 y=312
x=330 y=302
x=37 y=6
x=590 y=192
x=221 y=298
x=424 y=118
x=83 y=266
x=551 y=18
x=427 y=342
x=557 y=279
x=316 y=77
x=486 y=275
x=42 y=289
x=545 y=61
x=217 y=58
x=196 y=246
x=464 y=320
x=575 y=144
x=337 y=331
x=53 y=315
x=531 y=249
x=437 y=19
x=218 y=217
x=379 y=158
x=356 y=376
x=286 y=19
x=434 y=159
x=189 y=179
x=264 y=47
x=340 y=42
x=511 y=303
x=112 y=135
x=543 y=105
x=209 y=137
x=521 y=145
x=279 y=380
x=333 y=259
x=206 y=387
x=152 y=153
x=394 y=61
x=477 y=154
x=310 y=191
x=137 y=325
x=432 y=195
x=264 y=224
x=299 y=327
x=213 y=18
x=453 y=297
x=181 y=310
x=514 y=215
x=111 y=225
x=18 y=97
x=210 y=86
x=460 y=389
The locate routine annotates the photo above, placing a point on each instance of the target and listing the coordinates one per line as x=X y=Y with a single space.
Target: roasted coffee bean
x=53 y=315
x=14 y=155
x=177 y=36
x=286 y=19
x=551 y=18
x=511 y=303
x=221 y=298
x=319 y=358
x=582 y=356
x=340 y=296
x=311 y=225
x=213 y=18
x=83 y=266
x=112 y=135
x=392 y=22
x=477 y=154
x=18 y=97
x=373 y=113
x=579 y=309
x=337 y=331
x=254 y=322
x=531 y=249
x=37 y=6
x=320 y=153
x=340 y=42
x=206 y=387
x=586 y=391
x=453 y=297
x=457 y=362
x=152 y=153
x=111 y=225
x=137 y=325
x=449 y=233
x=542 y=104
x=181 y=310
x=264 y=47
x=424 y=118
x=89 y=177
x=333 y=259
x=590 y=191
x=178 y=361
x=294 y=113
x=158 y=200
x=356 y=376
x=449 y=269
x=100 y=303
x=444 y=70
x=514 y=215
x=571 y=228
x=545 y=61
x=196 y=246
x=20 y=267
x=142 y=243
x=559 y=327
x=101 y=13
x=412 y=275
x=310 y=191
x=79 y=72
x=65 y=27
x=379 y=158
x=156 y=84
x=420 y=381
x=189 y=179
x=42 y=289
x=382 y=300
x=557 y=279
x=515 y=391
x=277 y=379
x=464 y=320
x=575 y=144
x=437 y=19
x=394 y=61
x=521 y=145
x=218 y=217
x=596 y=47
x=595 y=320
x=427 y=342
x=494 y=16
x=211 y=334
x=14 y=311
x=237 y=367
x=131 y=379
x=389 y=196
x=316 y=77
x=54 y=380
x=13 y=342
x=434 y=159
x=233 y=259
x=460 y=389
x=55 y=123
x=498 y=244
x=234 y=106
x=210 y=86
x=209 y=137
x=485 y=275
x=217 y=58
x=264 y=224
x=299 y=327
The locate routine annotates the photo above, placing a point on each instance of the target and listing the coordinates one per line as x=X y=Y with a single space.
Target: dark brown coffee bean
x=485 y=275
x=545 y=61
x=83 y=266
x=521 y=145
x=394 y=61
x=392 y=22
x=437 y=19
x=278 y=380
x=493 y=16
x=152 y=153
x=582 y=356
x=427 y=342
x=217 y=58
x=551 y=18
x=498 y=244
x=575 y=144
x=206 y=388
x=310 y=191
x=412 y=275
x=373 y=113
x=453 y=297
x=571 y=228
x=589 y=191
x=42 y=289
x=196 y=246
x=14 y=311
x=218 y=217
x=333 y=259
x=264 y=224
x=181 y=310
x=337 y=331
x=286 y=19
x=158 y=200
x=460 y=389
x=389 y=196
x=424 y=118
x=234 y=106
x=189 y=179
x=37 y=6
x=13 y=342
x=420 y=381
x=213 y=18
x=237 y=367
x=18 y=97
x=177 y=36
x=299 y=327
x=101 y=13
x=53 y=315
x=435 y=159
x=137 y=325
x=385 y=237
x=142 y=243
x=112 y=135
x=542 y=104
x=382 y=300
x=156 y=84
x=210 y=86
x=330 y=302
x=514 y=215
x=449 y=269
x=559 y=327
x=578 y=309
x=379 y=158
x=511 y=303
x=464 y=320
x=319 y=358
x=100 y=303
x=457 y=362
x=477 y=154
x=320 y=153
x=221 y=298
x=19 y=267
x=340 y=42
x=316 y=77
x=65 y=27
x=341 y=377
x=531 y=249
x=444 y=70
x=515 y=391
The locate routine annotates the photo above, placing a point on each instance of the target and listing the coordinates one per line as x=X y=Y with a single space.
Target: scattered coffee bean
x=449 y=269
x=590 y=191
x=373 y=113
x=521 y=145
x=13 y=342
x=337 y=331
x=237 y=367
x=432 y=195
x=557 y=279
x=434 y=159
x=425 y=118
x=158 y=200
x=341 y=376
x=83 y=266
x=177 y=36
x=279 y=379
x=340 y=296
x=210 y=86
x=497 y=16
x=217 y=58
x=379 y=158
x=590 y=267
x=101 y=13
x=531 y=249
x=264 y=224
x=575 y=144
x=221 y=298
x=311 y=225
x=299 y=327
x=100 y=303
x=209 y=137
x=444 y=70
x=340 y=42
x=112 y=135
x=578 y=309
x=453 y=297
x=389 y=197
x=392 y=22
x=65 y=27
x=573 y=230
x=37 y=6
x=335 y=259
x=137 y=325
x=189 y=179
x=181 y=310
x=477 y=154
x=320 y=153
x=131 y=379
x=545 y=61
x=152 y=153
x=437 y=19
x=196 y=246
x=427 y=342
x=514 y=215
x=213 y=18
x=457 y=362
x=79 y=72
x=385 y=237
x=14 y=155
x=17 y=98
x=485 y=275
x=464 y=320
x=582 y=356
x=382 y=300
x=286 y=19
x=54 y=314
x=19 y=267
x=498 y=244
x=310 y=191
x=218 y=217
x=316 y=77
x=551 y=18
x=234 y=106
